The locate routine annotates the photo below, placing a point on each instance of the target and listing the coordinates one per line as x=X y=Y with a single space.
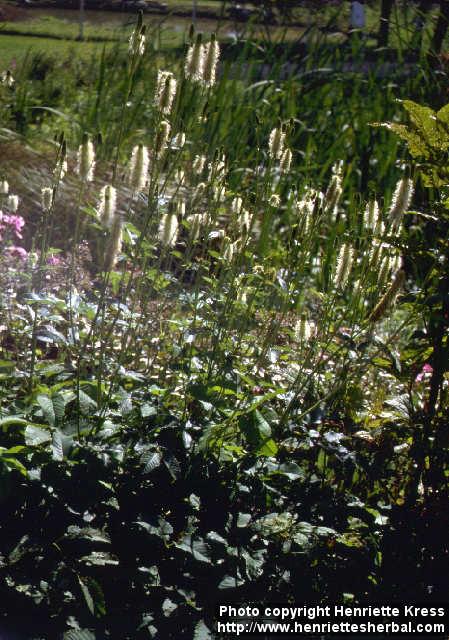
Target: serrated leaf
x=173 y=466
x=100 y=559
x=257 y=432
x=88 y=533
x=147 y=410
x=201 y=632
x=216 y=537
x=230 y=582
x=35 y=436
x=48 y=410
x=58 y=405
x=168 y=606
x=243 y=520
x=201 y=551
x=87 y=404
x=197 y=548
x=268 y=448
x=443 y=114
x=50 y=334
x=289 y=469
x=57 y=447
x=151 y=460
x=416 y=144
x=79 y=634
x=93 y=595
x=87 y=597
x=126 y=405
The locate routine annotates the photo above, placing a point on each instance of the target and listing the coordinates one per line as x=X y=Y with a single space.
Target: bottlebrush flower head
x=285 y=161
x=138 y=167
x=344 y=265
x=211 y=55
x=229 y=249
x=162 y=137
x=107 y=205
x=136 y=42
x=197 y=222
x=60 y=169
x=244 y=221
x=303 y=329
x=12 y=203
x=86 y=160
x=276 y=143
x=334 y=191
x=198 y=164
x=194 y=63
x=401 y=201
x=236 y=205
x=114 y=243
x=168 y=229
x=179 y=140
x=371 y=215
x=388 y=299
x=165 y=92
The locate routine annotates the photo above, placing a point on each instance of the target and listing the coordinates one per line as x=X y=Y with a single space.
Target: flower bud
x=47 y=198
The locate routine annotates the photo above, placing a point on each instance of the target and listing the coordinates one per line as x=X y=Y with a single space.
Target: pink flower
x=16 y=222
x=17 y=252
x=53 y=260
x=427 y=369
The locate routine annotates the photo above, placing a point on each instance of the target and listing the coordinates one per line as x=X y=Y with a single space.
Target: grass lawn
x=56 y=31
x=14 y=48
x=51 y=34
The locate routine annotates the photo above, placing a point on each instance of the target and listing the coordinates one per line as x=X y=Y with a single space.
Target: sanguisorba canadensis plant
x=209 y=419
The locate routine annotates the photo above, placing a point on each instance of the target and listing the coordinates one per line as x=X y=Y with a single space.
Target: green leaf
x=257 y=432
x=443 y=114
x=289 y=469
x=201 y=632
x=199 y=549
x=12 y=421
x=168 y=606
x=173 y=466
x=87 y=404
x=100 y=559
x=268 y=448
x=79 y=634
x=151 y=460
x=7 y=364
x=416 y=144
x=147 y=410
x=56 y=447
x=231 y=582
x=243 y=519
x=59 y=403
x=93 y=595
x=87 y=533
x=8 y=458
x=87 y=597
x=48 y=410
x=35 y=436
x=50 y=334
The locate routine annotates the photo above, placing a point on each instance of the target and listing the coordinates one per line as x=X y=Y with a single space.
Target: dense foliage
x=218 y=382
